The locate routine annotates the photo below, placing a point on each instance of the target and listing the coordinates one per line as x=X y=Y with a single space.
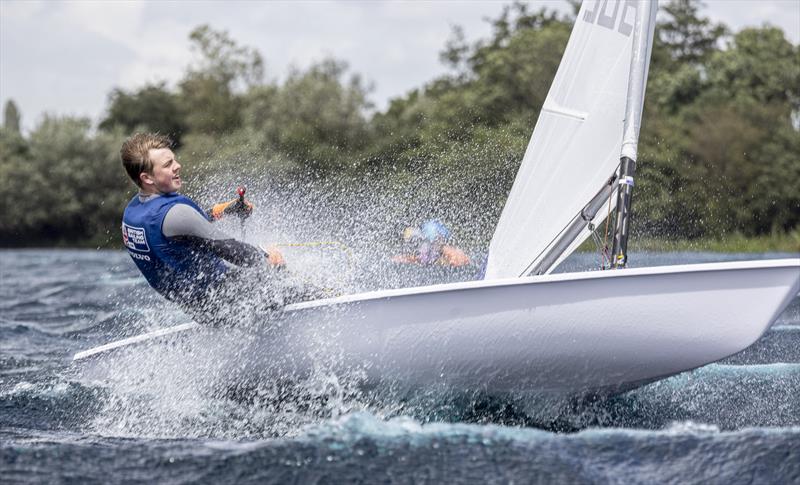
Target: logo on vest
x=135 y=238
x=142 y=257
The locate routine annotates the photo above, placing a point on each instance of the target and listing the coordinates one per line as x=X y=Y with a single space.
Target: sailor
x=429 y=244
x=173 y=242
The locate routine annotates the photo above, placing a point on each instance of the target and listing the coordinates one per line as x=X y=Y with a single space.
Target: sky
x=64 y=57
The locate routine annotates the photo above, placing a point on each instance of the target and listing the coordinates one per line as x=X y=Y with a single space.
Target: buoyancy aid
x=173 y=267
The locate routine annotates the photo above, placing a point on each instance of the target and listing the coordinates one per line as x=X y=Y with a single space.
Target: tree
x=498 y=82
x=223 y=60
x=68 y=186
x=151 y=108
x=209 y=90
x=689 y=38
x=317 y=117
x=716 y=136
x=761 y=66
x=11 y=117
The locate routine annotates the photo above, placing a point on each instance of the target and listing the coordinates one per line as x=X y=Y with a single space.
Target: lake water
x=736 y=421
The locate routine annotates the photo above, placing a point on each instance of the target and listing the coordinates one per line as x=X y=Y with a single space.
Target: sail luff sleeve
x=640 y=61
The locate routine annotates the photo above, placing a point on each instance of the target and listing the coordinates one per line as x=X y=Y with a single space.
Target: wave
x=361 y=447
x=780 y=344
x=51 y=405
x=721 y=423
x=148 y=403
x=728 y=396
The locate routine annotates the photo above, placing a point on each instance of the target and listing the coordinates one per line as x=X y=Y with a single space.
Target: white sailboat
x=523 y=329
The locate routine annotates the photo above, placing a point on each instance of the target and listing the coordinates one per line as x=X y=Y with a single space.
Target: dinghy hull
x=563 y=334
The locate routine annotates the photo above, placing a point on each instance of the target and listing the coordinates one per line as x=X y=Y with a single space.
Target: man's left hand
x=239 y=207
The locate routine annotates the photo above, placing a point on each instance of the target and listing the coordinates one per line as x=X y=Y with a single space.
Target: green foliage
x=500 y=82
x=11 y=116
x=223 y=60
x=787 y=242
x=687 y=37
x=719 y=153
x=759 y=67
x=14 y=157
x=316 y=117
x=220 y=113
x=152 y=108
x=65 y=185
x=208 y=91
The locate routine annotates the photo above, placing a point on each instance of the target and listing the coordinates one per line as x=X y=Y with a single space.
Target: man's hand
x=454 y=257
x=275 y=257
x=239 y=207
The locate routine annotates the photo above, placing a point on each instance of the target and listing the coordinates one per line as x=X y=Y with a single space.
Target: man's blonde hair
x=135 y=153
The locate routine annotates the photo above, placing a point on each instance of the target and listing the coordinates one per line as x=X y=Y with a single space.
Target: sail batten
x=578 y=137
x=578 y=115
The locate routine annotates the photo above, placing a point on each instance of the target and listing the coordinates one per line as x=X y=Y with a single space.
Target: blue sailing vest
x=175 y=269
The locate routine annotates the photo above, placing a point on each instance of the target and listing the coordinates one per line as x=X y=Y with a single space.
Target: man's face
x=166 y=172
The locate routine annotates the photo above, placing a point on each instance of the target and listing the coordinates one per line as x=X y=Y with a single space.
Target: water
x=736 y=421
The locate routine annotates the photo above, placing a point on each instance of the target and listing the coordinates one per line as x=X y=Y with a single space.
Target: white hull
x=562 y=334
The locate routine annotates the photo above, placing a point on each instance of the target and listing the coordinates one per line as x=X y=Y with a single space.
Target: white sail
x=578 y=138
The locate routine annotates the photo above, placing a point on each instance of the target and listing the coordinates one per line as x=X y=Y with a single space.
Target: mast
x=640 y=61
x=627 y=169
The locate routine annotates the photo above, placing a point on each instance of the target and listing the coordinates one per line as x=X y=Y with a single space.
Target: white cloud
x=20 y=10
x=119 y=21
x=739 y=14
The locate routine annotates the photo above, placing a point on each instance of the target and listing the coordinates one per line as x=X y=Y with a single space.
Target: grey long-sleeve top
x=185 y=223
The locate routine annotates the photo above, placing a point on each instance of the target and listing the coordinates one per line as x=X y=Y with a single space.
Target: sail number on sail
x=599 y=13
